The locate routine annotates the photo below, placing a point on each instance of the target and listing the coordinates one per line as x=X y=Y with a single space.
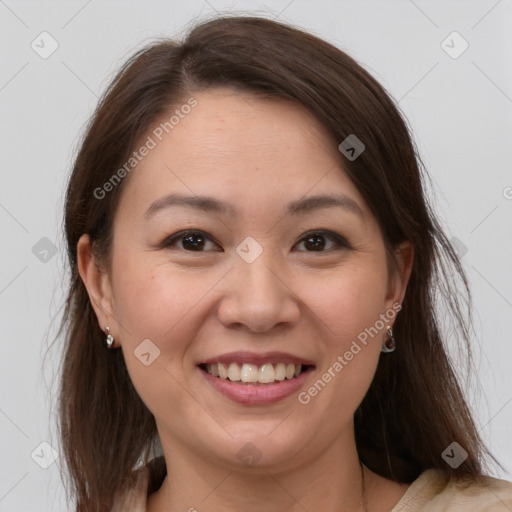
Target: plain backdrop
x=459 y=106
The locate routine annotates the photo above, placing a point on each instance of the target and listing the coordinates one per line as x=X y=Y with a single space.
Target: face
x=260 y=276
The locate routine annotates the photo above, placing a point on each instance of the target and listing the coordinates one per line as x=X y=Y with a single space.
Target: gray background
x=460 y=110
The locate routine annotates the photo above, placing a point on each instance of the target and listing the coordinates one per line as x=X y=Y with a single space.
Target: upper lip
x=257 y=358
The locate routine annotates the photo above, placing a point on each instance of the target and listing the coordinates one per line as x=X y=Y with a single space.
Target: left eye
x=316 y=240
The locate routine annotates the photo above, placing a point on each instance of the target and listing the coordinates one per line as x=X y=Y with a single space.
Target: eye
x=316 y=241
x=196 y=241
x=193 y=241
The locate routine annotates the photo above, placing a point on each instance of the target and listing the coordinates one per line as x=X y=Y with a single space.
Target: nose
x=258 y=296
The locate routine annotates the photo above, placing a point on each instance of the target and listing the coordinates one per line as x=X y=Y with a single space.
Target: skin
x=257 y=155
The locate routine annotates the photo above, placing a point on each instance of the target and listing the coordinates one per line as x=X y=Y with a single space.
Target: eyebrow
x=211 y=205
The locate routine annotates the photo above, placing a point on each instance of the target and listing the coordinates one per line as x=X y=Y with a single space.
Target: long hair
x=414 y=408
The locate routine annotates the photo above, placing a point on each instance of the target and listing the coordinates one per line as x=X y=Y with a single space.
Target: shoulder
x=433 y=491
x=486 y=495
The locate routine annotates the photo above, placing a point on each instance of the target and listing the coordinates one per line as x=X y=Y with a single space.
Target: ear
x=97 y=283
x=400 y=274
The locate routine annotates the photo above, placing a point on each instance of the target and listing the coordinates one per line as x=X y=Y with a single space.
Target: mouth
x=255 y=374
x=256 y=379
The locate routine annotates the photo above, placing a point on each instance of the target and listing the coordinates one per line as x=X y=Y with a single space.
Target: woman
x=248 y=236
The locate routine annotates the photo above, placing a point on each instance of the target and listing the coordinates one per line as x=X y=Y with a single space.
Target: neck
x=332 y=481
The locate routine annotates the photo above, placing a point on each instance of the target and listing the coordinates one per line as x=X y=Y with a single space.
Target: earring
x=389 y=345
x=109 y=339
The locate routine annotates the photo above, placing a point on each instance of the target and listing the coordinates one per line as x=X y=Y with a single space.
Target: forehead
x=228 y=124
x=239 y=148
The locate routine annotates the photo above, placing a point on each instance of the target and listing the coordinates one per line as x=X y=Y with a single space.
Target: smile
x=249 y=378
x=252 y=373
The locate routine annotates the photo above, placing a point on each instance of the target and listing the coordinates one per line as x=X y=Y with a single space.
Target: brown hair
x=414 y=408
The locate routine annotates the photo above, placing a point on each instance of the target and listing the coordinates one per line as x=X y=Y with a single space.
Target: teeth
x=280 y=371
x=266 y=374
x=223 y=373
x=234 y=372
x=249 y=372
x=253 y=373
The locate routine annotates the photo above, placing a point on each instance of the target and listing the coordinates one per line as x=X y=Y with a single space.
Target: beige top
x=430 y=492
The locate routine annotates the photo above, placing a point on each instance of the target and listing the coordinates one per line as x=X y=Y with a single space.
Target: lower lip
x=259 y=394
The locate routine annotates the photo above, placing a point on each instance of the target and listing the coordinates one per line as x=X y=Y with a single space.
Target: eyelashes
x=339 y=241
x=196 y=241
x=189 y=236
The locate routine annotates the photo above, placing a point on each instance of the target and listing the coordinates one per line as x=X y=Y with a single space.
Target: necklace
x=363 y=490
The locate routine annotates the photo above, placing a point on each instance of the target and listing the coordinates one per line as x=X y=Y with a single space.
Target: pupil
x=189 y=241
x=314 y=241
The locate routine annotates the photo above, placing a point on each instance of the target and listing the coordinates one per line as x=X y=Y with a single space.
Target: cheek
x=152 y=300
x=349 y=305
x=162 y=304
x=349 y=301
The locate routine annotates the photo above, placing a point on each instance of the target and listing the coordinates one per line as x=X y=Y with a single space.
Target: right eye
x=191 y=240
